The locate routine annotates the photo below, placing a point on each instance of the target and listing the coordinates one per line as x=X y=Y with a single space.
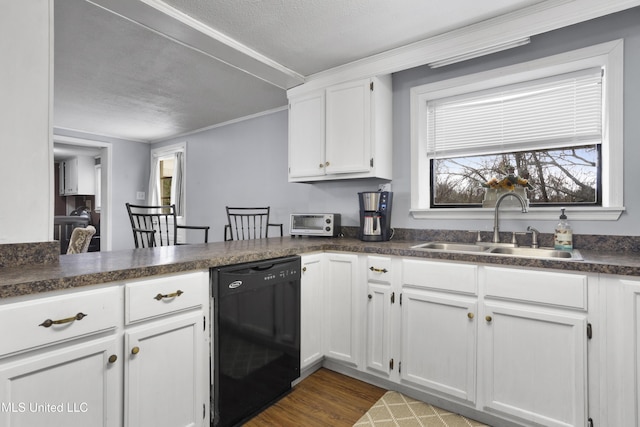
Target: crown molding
x=180 y=28
x=537 y=19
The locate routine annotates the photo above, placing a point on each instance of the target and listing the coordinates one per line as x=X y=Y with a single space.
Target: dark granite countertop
x=80 y=270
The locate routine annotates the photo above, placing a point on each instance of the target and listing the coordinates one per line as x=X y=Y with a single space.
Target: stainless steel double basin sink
x=501 y=249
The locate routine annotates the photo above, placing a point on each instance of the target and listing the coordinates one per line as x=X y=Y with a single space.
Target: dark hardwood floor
x=325 y=398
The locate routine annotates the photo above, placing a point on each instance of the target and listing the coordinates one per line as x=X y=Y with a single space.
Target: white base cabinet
x=380 y=357
x=342 y=321
x=439 y=328
x=77 y=385
x=534 y=345
x=439 y=334
x=134 y=354
x=311 y=310
x=163 y=370
x=508 y=342
x=534 y=365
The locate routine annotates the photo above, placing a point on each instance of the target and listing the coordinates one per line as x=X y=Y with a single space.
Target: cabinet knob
x=304 y=269
x=488 y=318
x=326 y=164
x=369 y=296
x=320 y=165
x=135 y=350
x=113 y=358
x=470 y=315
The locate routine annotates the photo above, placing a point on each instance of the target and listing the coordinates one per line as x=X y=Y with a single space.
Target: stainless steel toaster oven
x=322 y=224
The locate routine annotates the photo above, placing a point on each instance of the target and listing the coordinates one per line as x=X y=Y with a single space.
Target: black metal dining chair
x=248 y=223
x=158 y=225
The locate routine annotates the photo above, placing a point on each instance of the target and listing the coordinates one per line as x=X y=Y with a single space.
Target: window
x=166 y=178
x=555 y=124
x=166 y=181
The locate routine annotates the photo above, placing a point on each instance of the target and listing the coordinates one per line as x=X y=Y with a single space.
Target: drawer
x=461 y=278
x=165 y=295
x=542 y=287
x=379 y=268
x=48 y=320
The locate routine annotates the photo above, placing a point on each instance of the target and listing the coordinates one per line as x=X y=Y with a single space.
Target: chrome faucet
x=534 y=236
x=496 y=230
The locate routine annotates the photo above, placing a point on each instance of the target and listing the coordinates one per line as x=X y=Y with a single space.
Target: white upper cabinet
x=77 y=176
x=306 y=136
x=341 y=132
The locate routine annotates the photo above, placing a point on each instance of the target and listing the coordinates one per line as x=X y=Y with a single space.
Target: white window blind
x=559 y=111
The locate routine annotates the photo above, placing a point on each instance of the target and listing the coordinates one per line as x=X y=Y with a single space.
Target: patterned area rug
x=397 y=410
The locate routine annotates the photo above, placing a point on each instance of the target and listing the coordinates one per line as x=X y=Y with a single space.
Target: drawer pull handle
x=48 y=323
x=160 y=297
x=378 y=270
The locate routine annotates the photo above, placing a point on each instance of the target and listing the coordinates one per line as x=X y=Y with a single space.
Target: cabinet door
x=379 y=304
x=341 y=310
x=71 y=176
x=535 y=364
x=164 y=373
x=78 y=385
x=348 y=140
x=439 y=333
x=311 y=310
x=306 y=136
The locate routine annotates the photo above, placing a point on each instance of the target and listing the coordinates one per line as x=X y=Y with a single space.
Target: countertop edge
x=77 y=271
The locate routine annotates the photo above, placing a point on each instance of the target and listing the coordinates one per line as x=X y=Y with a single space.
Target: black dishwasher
x=256 y=337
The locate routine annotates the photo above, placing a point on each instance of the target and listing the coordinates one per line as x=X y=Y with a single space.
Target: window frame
x=608 y=55
x=167 y=152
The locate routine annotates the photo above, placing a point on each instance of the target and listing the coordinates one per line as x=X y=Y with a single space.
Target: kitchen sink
x=501 y=249
x=537 y=253
x=447 y=246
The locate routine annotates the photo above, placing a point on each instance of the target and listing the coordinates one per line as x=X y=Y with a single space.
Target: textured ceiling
x=128 y=69
x=309 y=36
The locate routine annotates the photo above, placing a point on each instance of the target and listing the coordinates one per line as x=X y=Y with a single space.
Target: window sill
x=537 y=213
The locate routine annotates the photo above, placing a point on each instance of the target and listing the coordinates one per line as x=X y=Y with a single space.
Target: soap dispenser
x=563 y=237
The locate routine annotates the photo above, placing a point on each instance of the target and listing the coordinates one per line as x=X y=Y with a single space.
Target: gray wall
x=130 y=173
x=241 y=164
x=623 y=25
x=246 y=163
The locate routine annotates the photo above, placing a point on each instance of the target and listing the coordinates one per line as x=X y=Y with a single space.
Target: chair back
x=153 y=225
x=80 y=239
x=248 y=223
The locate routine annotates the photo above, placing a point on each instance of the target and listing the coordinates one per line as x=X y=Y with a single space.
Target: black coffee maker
x=375 y=216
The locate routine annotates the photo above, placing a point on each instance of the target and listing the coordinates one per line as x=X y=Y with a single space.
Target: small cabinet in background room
x=77 y=176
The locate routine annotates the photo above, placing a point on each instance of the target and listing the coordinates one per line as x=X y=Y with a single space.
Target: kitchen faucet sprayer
x=496 y=229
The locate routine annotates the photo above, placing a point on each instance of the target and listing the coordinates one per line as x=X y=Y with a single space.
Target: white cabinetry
x=77 y=176
x=341 y=132
x=46 y=382
x=620 y=359
x=439 y=327
x=381 y=298
x=311 y=285
x=68 y=355
x=166 y=371
x=342 y=320
x=307 y=137
x=534 y=345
